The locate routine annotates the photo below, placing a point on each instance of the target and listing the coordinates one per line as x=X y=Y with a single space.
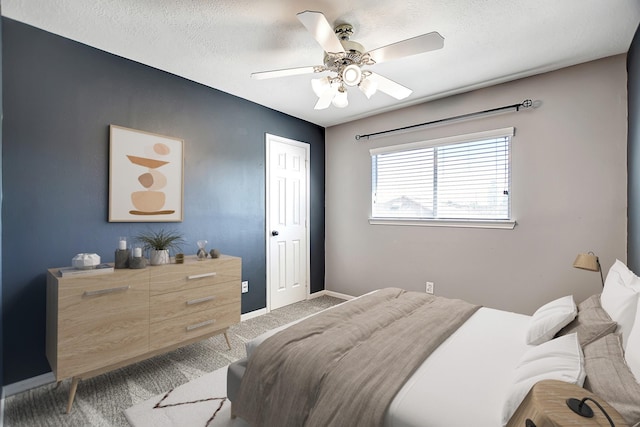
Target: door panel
x=287 y=234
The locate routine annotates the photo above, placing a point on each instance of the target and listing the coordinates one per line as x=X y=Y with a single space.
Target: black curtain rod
x=524 y=104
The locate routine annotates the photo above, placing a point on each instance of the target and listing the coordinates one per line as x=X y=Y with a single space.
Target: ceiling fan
x=348 y=59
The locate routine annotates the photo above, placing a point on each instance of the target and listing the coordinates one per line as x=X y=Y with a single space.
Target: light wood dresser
x=97 y=323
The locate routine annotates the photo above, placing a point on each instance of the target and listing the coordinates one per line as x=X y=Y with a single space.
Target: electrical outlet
x=429 y=288
x=245 y=286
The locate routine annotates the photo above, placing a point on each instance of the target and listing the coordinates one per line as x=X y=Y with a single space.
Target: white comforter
x=465 y=380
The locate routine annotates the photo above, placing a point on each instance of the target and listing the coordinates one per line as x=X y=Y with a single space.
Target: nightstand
x=545 y=406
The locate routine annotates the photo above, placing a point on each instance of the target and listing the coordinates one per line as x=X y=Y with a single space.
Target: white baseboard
x=252 y=314
x=330 y=294
x=28 y=384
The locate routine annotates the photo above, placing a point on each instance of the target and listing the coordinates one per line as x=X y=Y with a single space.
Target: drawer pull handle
x=200 y=325
x=200 y=276
x=200 y=300
x=106 y=291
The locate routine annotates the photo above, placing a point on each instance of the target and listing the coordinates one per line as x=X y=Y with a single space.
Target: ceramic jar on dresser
x=97 y=323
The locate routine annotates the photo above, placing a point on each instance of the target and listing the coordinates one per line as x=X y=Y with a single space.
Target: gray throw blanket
x=343 y=367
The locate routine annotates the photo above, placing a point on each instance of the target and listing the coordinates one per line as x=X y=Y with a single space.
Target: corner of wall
x=633 y=153
x=1 y=311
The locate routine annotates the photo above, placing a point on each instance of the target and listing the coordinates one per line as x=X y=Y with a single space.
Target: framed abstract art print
x=145 y=176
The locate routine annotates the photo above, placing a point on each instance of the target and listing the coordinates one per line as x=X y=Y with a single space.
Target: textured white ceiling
x=219 y=43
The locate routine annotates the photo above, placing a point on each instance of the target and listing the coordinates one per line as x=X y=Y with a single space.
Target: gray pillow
x=591 y=323
x=609 y=377
x=592 y=302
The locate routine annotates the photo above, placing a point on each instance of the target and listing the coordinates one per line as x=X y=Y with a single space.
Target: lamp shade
x=587 y=262
x=341 y=99
x=368 y=87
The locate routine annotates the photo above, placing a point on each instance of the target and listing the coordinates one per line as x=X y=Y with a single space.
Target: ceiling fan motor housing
x=347 y=64
x=343 y=31
x=353 y=54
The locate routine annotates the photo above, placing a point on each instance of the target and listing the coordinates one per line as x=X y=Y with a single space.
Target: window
x=462 y=179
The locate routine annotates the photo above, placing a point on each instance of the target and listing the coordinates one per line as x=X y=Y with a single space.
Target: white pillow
x=550 y=318
x=620 y=298
x=559 y=359
x=623 y=272
x=632 y=353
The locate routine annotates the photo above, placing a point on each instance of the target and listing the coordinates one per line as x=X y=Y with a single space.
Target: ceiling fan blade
x=420 y=44
x=325 y=99
x=390 y=87
x=321 y=30
x=261 y=75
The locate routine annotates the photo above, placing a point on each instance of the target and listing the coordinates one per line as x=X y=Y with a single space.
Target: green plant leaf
x=161 y=239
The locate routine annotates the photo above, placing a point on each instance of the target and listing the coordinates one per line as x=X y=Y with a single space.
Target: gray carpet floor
x=100 y=401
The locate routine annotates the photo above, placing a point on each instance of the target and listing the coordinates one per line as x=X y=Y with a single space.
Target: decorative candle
x=122 y=245
x=137 y=261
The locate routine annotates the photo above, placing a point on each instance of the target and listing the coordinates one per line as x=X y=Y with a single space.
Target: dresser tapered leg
x=72 y=393
x=233 y=413
x=226 y=337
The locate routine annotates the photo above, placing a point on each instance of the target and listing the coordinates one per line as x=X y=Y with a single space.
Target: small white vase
x=85 y=261
x=159 y=257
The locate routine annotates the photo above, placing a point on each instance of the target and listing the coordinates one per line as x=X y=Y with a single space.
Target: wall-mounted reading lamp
x=589 y=261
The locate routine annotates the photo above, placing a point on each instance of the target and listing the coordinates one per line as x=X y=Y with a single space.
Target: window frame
x=438 y=222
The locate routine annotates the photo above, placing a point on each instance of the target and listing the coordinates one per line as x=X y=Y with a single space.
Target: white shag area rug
x=201 y=402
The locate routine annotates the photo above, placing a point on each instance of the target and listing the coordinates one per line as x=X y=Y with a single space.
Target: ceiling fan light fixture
x=351 y=75
x=320 y=85
x=368 y=87
x=340 y=100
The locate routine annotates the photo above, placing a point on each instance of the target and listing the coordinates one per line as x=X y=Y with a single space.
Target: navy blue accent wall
x=633 y=154
x=59 y=99
x=1 y=311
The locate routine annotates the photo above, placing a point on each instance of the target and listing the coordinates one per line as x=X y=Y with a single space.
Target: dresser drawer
x=193 y=274
x=193 y=325
x=174 y=304
x=102 y=320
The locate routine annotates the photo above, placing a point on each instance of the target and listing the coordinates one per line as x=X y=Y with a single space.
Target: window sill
x=456 y=223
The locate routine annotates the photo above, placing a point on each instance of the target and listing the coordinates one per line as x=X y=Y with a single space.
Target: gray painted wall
x=568 y=195
x=633 y=153
x=59 y=99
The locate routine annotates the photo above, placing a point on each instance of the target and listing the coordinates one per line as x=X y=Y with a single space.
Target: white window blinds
x=462 y=177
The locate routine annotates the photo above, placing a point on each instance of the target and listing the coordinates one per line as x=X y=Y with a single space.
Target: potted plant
x=159 y=243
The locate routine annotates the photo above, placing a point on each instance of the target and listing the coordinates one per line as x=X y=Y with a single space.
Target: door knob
x=274 y=233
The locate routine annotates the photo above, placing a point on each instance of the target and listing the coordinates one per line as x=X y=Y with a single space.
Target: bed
x=475 y=375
